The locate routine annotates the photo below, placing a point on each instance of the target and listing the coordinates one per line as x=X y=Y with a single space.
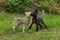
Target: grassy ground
x=6 y=32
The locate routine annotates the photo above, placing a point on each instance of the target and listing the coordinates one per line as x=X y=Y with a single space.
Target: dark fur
x=37 y=20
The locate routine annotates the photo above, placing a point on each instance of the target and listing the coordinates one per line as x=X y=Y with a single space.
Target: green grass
x=6 y=32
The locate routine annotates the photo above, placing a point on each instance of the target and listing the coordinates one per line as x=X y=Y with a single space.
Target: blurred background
x=48 y=6
x=49 y=11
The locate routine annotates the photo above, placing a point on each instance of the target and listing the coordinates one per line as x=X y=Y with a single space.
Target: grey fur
x=23 y=21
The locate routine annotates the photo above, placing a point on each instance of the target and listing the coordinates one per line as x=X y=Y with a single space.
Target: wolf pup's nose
x=30 y=14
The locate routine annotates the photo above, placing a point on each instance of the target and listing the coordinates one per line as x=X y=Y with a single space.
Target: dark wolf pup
x=37 y=20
